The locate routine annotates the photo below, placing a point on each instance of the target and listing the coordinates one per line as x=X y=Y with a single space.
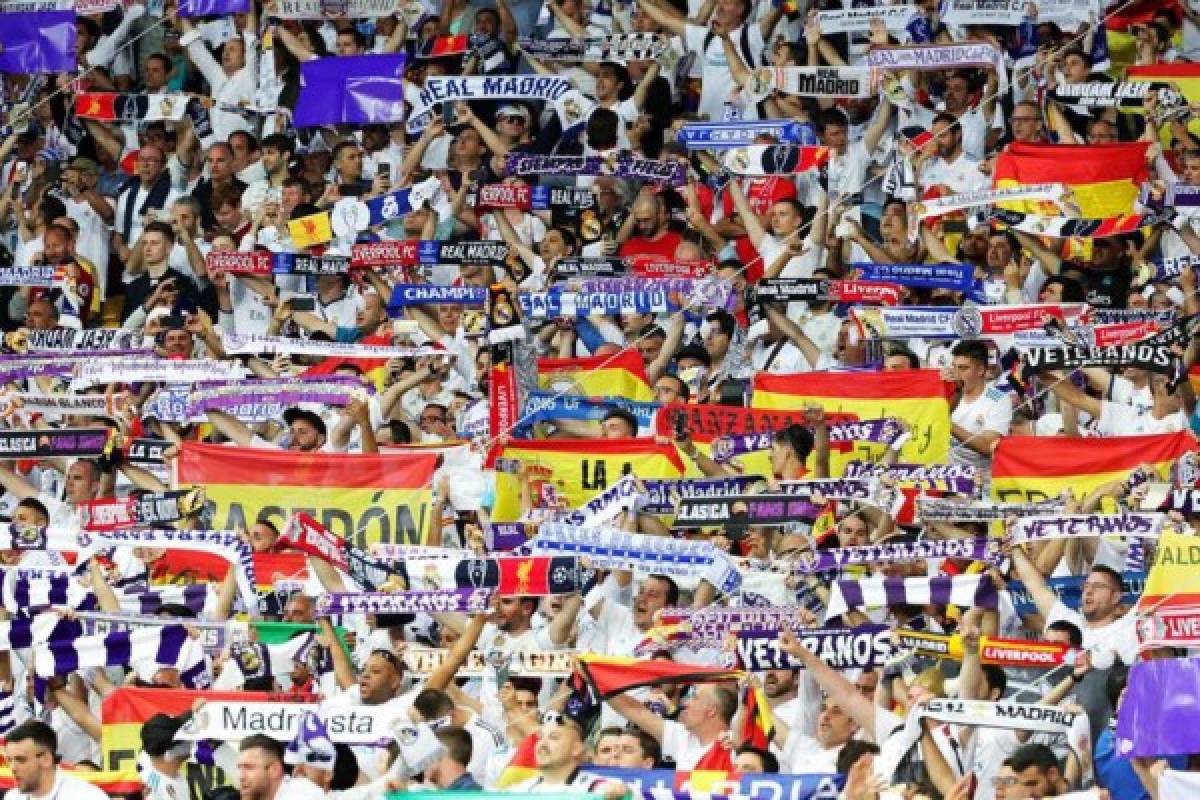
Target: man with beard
x=31 y=751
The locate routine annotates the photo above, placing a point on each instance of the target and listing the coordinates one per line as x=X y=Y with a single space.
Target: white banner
x=320 y=9
x=987 y=197
x=858 y=20
x=1054 y=526
x=255 y=344
x=227 y=721
x=544 y=663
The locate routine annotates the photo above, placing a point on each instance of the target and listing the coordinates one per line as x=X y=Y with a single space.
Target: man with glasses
x=147 y=194
x=30 y=749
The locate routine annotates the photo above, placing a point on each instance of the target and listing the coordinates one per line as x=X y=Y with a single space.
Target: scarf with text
x=60 y=442
x=618 y=165
x=864 y=647
x=433 y=601
x=739 y=133
x=593 y=49
x=937 y=509
x=1067 y=526
x=978 y=549
x=1067 y=227
x=116 y=513
x=611 y=548
x=939 y=57
x=142 y=370
x=775 y=159
x=256 y=344
x=1124 y=95
x=790 y=290
x=955 y=277
x=824 y=82
x=958 y=478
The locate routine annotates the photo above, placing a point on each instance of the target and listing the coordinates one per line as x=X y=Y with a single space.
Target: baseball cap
x=158 y=732
x=513 y=110
x=84 y=165
x=311 y=417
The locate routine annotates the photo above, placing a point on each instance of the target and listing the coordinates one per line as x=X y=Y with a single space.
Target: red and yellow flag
x=310 y=230
x=611 y=675
x=373 y=369
x=523 y=764
x=1174 y=579
x=363 y=498
x=919 y=397
x=1185 y=75
x=576 y=469
x=124 y=711
x=620 y=375
x=1104 y=178
x=1026 y=469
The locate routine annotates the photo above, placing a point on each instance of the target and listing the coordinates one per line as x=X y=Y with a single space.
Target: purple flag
x=1159 y=708
x=209 y=8
x=354 y=89
x=37 y=41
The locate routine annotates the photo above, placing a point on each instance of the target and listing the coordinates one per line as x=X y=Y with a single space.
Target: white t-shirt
x=961 y=175
x=804 y=754
x=1117 y=419
x=1119 y=636
x=681 y=745
x=718 y=84
x=66 y=787
x=991 y=411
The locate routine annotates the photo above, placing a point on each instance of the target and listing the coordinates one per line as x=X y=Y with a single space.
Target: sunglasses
x=512 y=118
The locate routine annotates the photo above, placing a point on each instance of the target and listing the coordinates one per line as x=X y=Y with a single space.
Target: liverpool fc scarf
x=115 y=513
x=775 y=159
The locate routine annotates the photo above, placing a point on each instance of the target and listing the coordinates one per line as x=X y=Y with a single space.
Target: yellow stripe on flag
x=310 y=230
x=1174 y=579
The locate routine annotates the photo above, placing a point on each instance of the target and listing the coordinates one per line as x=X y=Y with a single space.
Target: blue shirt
x=1115 y=773
x=464 y=783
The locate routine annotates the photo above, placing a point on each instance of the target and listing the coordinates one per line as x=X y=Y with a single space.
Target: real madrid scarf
x=939 y=57
x=739 y=133
x=792 y=290
x=617 y=165
x=254 y=403
x=726 y=448
x=1003 y=714
x=858 y=20
x=83 y=405
x=611 y=548
x=41 y=276
x=593 y=49
x=823 y=82
x=168 y=646
x=571 y=106
x=955 y=277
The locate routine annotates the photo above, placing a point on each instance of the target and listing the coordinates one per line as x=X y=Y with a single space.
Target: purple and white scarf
x=255 y=344
x=939 y=57
x=937 y=509
x=940 y=590
x=619 y=165
x=864 y=647
x=958 y=478
x=166 y=646
x=433 y=601
x=1067 y=526
x=593 y=49
x=978 y=549
x=884 y=431
x=142 y=370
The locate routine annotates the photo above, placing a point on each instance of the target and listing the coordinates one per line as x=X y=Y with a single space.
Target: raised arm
x=672 y=21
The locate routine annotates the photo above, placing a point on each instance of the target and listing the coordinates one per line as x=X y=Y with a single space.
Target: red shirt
x=762 y=193
x=664 y=247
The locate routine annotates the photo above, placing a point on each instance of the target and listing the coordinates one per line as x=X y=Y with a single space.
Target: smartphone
x=303 y=303
x=20 y=171
x=448 y=116
x=383 y=170
x=350 y=190
x=681 y=426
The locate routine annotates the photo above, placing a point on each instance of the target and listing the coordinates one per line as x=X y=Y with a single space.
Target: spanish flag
x=124 y=711
x=1026 y=469
x=609 y=676
x=919 y=397
x=576 y=469
x=311 y=230
x=1105 y=178
x=373 y=369
x=1184 y=74
x=1174 y=579
x=620 y=375
x=523 y=764
x=363 y=498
